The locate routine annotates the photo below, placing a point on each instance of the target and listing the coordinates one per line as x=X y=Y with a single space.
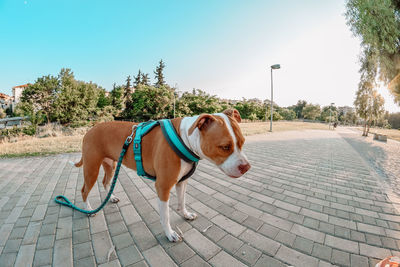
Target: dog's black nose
x=243 y=168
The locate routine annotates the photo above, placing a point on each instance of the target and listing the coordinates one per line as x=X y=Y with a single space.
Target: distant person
x=335 y=125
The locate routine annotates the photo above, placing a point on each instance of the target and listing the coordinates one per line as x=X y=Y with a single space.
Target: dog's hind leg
x=90 y=172
x=109 y=169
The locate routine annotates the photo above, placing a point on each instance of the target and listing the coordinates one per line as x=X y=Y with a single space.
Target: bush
x=2 y=113
x=253 y=117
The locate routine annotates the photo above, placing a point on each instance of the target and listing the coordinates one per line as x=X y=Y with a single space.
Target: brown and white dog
x=215 y=137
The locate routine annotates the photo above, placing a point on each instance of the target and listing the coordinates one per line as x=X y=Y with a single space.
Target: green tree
x=138 y=79
x=128 y=89
x=298 y=108
x=329 y=113
x=377 y=24
x=103 y=100
x=287 y=114
x=311 y=111
x=145 y=79
x=150 y=102
x=42 y=95
x=34 y=116
x=369 y=105
x=77 y=100
x=159 y=74
x=116 y=97
x=198 y=102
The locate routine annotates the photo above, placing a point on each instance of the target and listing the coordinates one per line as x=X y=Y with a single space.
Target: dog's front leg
x=180 y=192
x=164 y=217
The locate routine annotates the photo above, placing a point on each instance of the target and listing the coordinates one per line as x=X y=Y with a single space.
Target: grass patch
x=252 y=128
x=391 y=133
x=34 y=146
x=41 y=146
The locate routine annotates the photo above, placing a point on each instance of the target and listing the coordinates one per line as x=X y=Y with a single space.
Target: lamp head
x=276 y=66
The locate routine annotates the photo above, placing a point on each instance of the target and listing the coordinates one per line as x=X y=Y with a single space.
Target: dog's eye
x=226 y=147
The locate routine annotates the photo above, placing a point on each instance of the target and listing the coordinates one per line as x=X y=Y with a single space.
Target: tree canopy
x=377 y=24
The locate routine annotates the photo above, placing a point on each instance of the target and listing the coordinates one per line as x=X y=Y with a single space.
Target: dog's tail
x=78 y=164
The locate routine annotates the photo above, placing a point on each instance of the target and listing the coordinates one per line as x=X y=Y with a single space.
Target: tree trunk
x=369 y=125
x=364 y=129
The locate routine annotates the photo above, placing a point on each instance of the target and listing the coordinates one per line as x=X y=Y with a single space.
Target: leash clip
x=130 y=138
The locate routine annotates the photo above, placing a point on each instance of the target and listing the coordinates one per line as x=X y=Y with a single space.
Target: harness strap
x=173 y=139
x=176 y=142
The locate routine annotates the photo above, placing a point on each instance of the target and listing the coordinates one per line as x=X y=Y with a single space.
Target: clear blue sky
x=222 y=47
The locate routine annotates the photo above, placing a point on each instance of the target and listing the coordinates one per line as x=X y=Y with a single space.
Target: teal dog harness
x=173 y=139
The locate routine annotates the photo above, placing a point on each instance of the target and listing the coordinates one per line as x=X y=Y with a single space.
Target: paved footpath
x=312 y=198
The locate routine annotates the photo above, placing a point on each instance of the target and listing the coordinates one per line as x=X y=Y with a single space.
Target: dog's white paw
x=190 y=215
x=114 y=199
x=173 y=236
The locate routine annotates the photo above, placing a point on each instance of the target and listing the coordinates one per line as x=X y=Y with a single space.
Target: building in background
x=5 y=101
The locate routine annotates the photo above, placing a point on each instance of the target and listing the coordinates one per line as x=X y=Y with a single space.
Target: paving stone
x=370 y=229
x=224 y=259
x=327 y=228
x=7 y=259
x=322 y=252
x=48 y=229
x=373 y=240
x=303 y=244
x=342 y=232
x=260 y=242
x=17 y=233
x=101 y=245
x=228 y=225
x=80 y=236
x=342 y=244
x=181 y=252
x=357 y=236
x=340 y=257
x=142 y=236
x=12 y=246
x=230 y=243
x=269 y=231
x=122 y=241
x=308 y=233
x=25 y=255
x=253 y=223
x=202 y=245
x=375 y=252
x=82 y=250
x=86 y=262
x=358 y=261
x=45 y=242
x=215 y=233
x=295 y=258
x=156 y=256
x=195 y=261
x=32 y=233
x=285 y=238
x=389 y=243
x=43 y=257
x=265 y=260
x=248 y=254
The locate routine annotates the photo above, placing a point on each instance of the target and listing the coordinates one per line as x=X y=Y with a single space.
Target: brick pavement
x=310 y=199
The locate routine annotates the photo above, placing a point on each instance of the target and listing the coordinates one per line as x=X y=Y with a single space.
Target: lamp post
x=176 y=87
x=330 y=114
x=273 y=67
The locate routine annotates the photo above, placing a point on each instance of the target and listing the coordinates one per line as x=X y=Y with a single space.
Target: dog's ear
x=203 y=122
x=233 y=113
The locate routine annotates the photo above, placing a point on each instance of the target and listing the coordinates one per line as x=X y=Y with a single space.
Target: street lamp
x=330 y=114
x=273 y=67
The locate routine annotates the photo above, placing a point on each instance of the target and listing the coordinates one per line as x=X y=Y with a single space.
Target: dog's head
x=221 y=141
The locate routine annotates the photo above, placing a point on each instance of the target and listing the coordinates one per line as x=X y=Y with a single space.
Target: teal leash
x=64 y=201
